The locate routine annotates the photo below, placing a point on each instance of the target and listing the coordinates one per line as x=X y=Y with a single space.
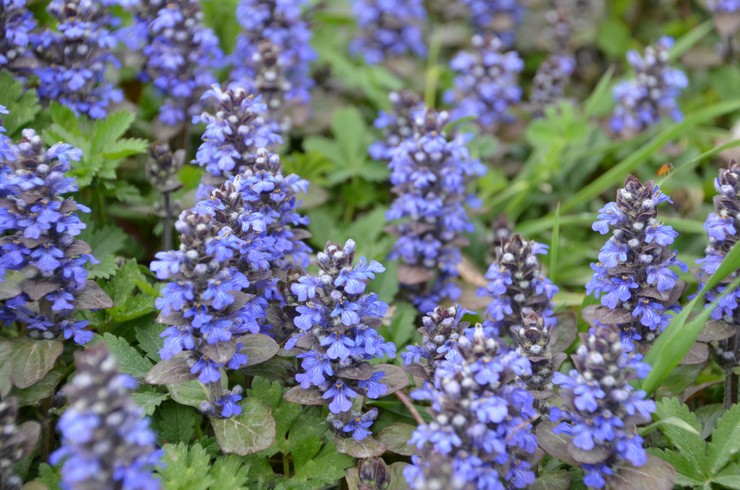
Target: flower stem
x=410 y=406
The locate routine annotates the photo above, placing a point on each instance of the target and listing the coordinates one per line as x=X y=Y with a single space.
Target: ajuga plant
x=723 y=229
x=234 y=131
x=39 y=227
x=431 y=174
x=209 y=302
x=398 y=124
x=554 y=73
x=337 y=322
x=106 y=440
x=389 y=29
x=7 y=148
x=517 y=286
x=440 y=331
x=17 y=442
x=548 y=85
x=180 y=55
x=726 y=15
x=533 y=342
x=269 y=80
x=486 y=82
x=73 y=58
x=480 y=434
x=16 y=25
x=161 y=170
x=601 y=410
x=633 y=276
x=273 y=52
x=499 y=17
x=651 y=96
x=373 y=474
x=267 y=191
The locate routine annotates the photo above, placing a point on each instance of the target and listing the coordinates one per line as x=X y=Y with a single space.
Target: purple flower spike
x=481 y=433
x=723 y=229
x=40 y=227
x=634 y=277
x=337 y=323
x=106 y=440
x=74 y=57
x=601 y=409
x=651 y=96
x=430 y=174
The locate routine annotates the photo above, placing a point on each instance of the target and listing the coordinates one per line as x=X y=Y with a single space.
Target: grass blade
x=600 y=92
x=688 y=40
x=673 y=344
x=554 y=246
x=618 y=172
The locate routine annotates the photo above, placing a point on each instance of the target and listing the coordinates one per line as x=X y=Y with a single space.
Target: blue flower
x=651 y=96
x=601 y=409
x=478 y=432
x=486 y=82
x=273 y=53
x=219 y=285
x=609 y=215
x=373 y=387
x=389 y=28
x=341 y=396
x=722 y=227
x=73 y=58
x=428 y=242
x=342 y=326
x=516 y=257
x=207 y=370
x=359 y=426
x=180 y=55
x=635 y=261
x=102 y=414
x=229 y=404
x=496 y=16
x=41 y=226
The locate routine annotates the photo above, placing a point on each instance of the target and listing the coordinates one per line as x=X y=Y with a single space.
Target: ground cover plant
x=375 y=245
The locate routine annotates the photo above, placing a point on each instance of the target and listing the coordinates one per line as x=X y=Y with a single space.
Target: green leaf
x=348 y=150
x=403 y=324
x=185 y=468
x=6 y=367
x=613 y=37
x=230 y=472
x=686 y=473
x=148 y=399
x=126 y=304
x=175 y=423
x=50 y=476
x=725 y=440
x=328 y=465
x=150 y=341
x=192 y=393
x=32 y=359
x=39 y=390
x=396 y=437
x=105 y=243
x=130 y=360
x=23 y=105
x=284 y=413
x=729 y=477
x=251 y=431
